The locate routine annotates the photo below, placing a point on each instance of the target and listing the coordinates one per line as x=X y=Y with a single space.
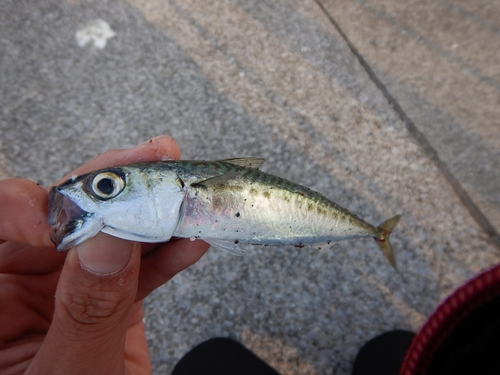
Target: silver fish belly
x=224 y=202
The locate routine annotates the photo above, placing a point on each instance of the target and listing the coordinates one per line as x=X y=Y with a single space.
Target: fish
x=224 y=203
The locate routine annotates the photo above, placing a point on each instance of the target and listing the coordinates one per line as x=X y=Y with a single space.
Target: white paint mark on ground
x=97 y=32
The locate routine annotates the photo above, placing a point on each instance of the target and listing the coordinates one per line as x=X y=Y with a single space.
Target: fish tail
x=382 y=239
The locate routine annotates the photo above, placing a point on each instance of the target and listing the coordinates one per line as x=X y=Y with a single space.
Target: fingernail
x=104 y=254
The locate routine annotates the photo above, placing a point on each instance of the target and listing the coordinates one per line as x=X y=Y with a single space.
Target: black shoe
x=384 y=354
x=222 y=356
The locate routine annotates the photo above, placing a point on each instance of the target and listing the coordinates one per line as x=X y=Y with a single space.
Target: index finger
x=162 y=147
x=23 y=212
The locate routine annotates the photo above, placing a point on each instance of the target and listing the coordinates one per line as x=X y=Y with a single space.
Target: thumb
x=93 y=303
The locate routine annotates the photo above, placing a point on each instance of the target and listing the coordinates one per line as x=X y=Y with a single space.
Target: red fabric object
x=468 y=298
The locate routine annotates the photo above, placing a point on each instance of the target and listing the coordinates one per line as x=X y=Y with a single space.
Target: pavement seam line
x=476 y=213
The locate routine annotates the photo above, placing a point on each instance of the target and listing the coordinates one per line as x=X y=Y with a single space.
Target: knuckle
x=86 y=307
x=94 y=308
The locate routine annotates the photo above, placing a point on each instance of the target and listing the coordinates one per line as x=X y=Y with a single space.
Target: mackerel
x=225 y=203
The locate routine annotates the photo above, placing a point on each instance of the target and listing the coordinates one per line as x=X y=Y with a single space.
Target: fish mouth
x=66 y=219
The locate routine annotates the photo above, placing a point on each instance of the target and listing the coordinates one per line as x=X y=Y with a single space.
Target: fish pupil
x=106 y=186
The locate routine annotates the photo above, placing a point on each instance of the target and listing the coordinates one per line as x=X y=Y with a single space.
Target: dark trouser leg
x=222 y=356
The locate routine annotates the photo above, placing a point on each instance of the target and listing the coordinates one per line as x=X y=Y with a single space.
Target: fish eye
x=107 y=185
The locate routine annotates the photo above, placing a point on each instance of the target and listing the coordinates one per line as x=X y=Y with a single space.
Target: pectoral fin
x=253 y=163
x=220 y=180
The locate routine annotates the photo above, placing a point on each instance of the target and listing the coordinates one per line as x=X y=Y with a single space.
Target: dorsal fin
x=253 y=163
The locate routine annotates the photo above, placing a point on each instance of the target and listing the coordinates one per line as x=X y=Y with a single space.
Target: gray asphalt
x=385 y=107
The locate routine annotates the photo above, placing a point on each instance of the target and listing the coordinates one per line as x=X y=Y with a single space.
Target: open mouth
x=65 y=217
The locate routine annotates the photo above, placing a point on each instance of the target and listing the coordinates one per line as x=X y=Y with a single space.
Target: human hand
x=78 y=312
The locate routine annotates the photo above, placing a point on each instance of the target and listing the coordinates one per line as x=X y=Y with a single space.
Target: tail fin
x=383 y=243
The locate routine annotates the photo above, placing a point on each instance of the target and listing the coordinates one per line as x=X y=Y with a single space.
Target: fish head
x=131 y=202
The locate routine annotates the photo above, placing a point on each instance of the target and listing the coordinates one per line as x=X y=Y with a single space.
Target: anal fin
x=229 y=246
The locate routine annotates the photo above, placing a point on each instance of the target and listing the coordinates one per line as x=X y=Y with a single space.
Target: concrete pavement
x=440 y=60
x=277 y=79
